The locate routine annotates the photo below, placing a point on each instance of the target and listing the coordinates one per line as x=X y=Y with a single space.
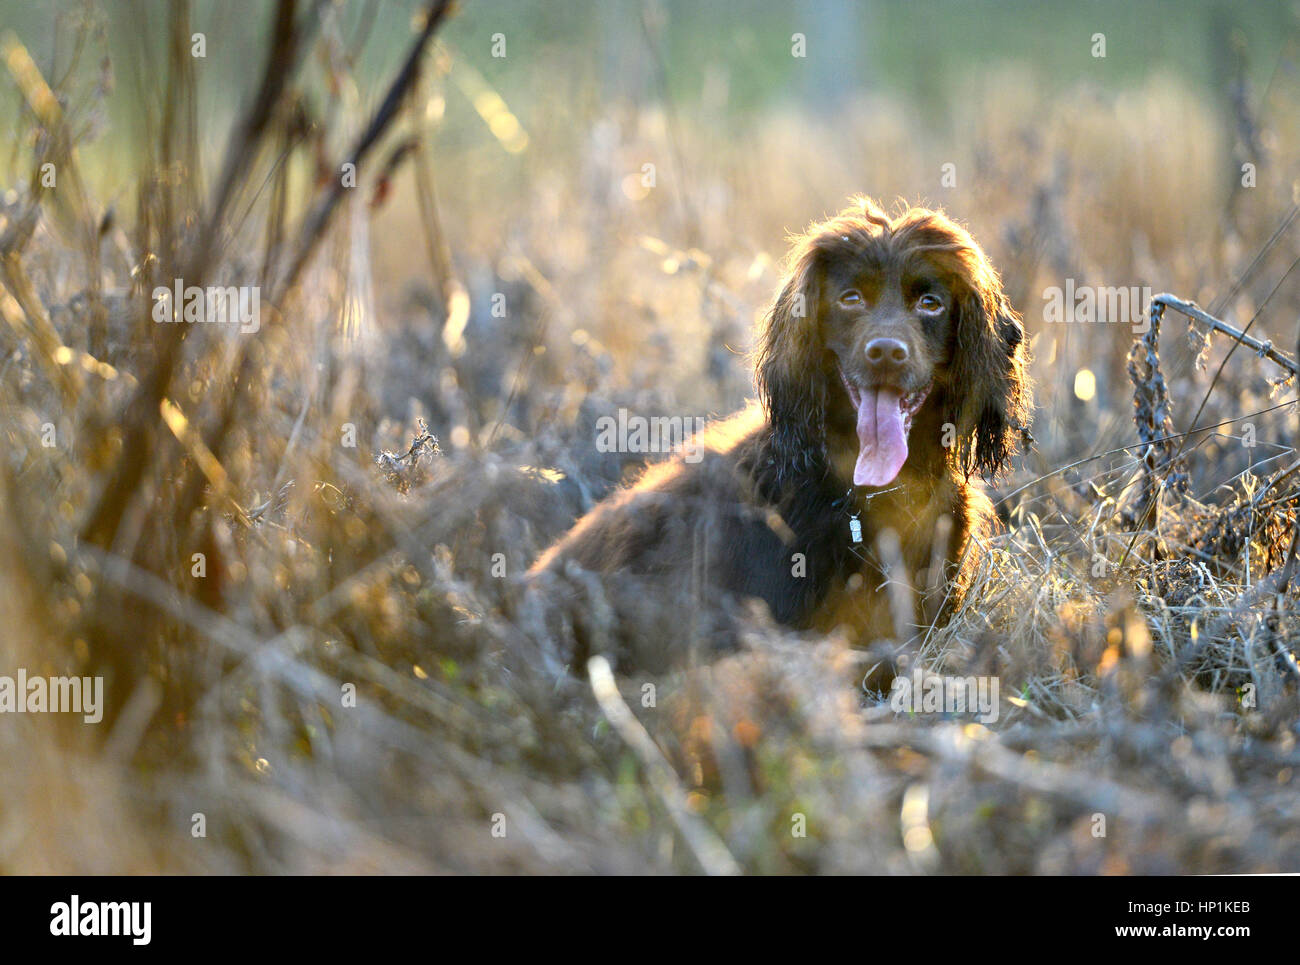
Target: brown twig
x=317 y=221
x=142 y=415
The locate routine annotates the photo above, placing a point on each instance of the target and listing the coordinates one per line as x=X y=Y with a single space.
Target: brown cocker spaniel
x=890 y=370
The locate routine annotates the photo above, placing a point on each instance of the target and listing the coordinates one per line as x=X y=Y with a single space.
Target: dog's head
x=886 y=328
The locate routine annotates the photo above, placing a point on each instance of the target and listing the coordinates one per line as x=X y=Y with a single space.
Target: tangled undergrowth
x=295 y=560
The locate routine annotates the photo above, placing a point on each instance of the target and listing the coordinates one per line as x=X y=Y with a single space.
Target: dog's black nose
x=886 y=354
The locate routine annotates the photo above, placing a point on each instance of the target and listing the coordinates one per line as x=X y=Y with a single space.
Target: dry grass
x=1137 y=598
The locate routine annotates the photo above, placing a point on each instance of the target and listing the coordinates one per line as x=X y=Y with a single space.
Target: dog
x=890 y=369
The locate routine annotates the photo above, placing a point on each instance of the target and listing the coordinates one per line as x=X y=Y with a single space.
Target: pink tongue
x=881 y=437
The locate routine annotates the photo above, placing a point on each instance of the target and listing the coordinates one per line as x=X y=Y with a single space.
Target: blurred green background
x=731 y=59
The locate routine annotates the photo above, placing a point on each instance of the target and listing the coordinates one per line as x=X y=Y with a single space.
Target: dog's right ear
x=789 y=372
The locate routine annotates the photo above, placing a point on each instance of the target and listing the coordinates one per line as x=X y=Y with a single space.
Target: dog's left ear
x=991 y=395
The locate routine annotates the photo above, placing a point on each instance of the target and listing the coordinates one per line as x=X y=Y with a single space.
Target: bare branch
x=711 y=853
x=1196 y=313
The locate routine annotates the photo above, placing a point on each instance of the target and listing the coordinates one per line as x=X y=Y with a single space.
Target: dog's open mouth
x=884 y=421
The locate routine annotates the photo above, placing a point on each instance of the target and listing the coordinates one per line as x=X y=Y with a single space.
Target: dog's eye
x=851 y=297
x=930 y=303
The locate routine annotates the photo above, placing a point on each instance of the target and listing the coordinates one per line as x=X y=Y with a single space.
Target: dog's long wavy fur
x=766 y=511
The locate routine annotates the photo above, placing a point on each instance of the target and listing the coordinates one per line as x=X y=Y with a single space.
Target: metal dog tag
x=855 y=529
